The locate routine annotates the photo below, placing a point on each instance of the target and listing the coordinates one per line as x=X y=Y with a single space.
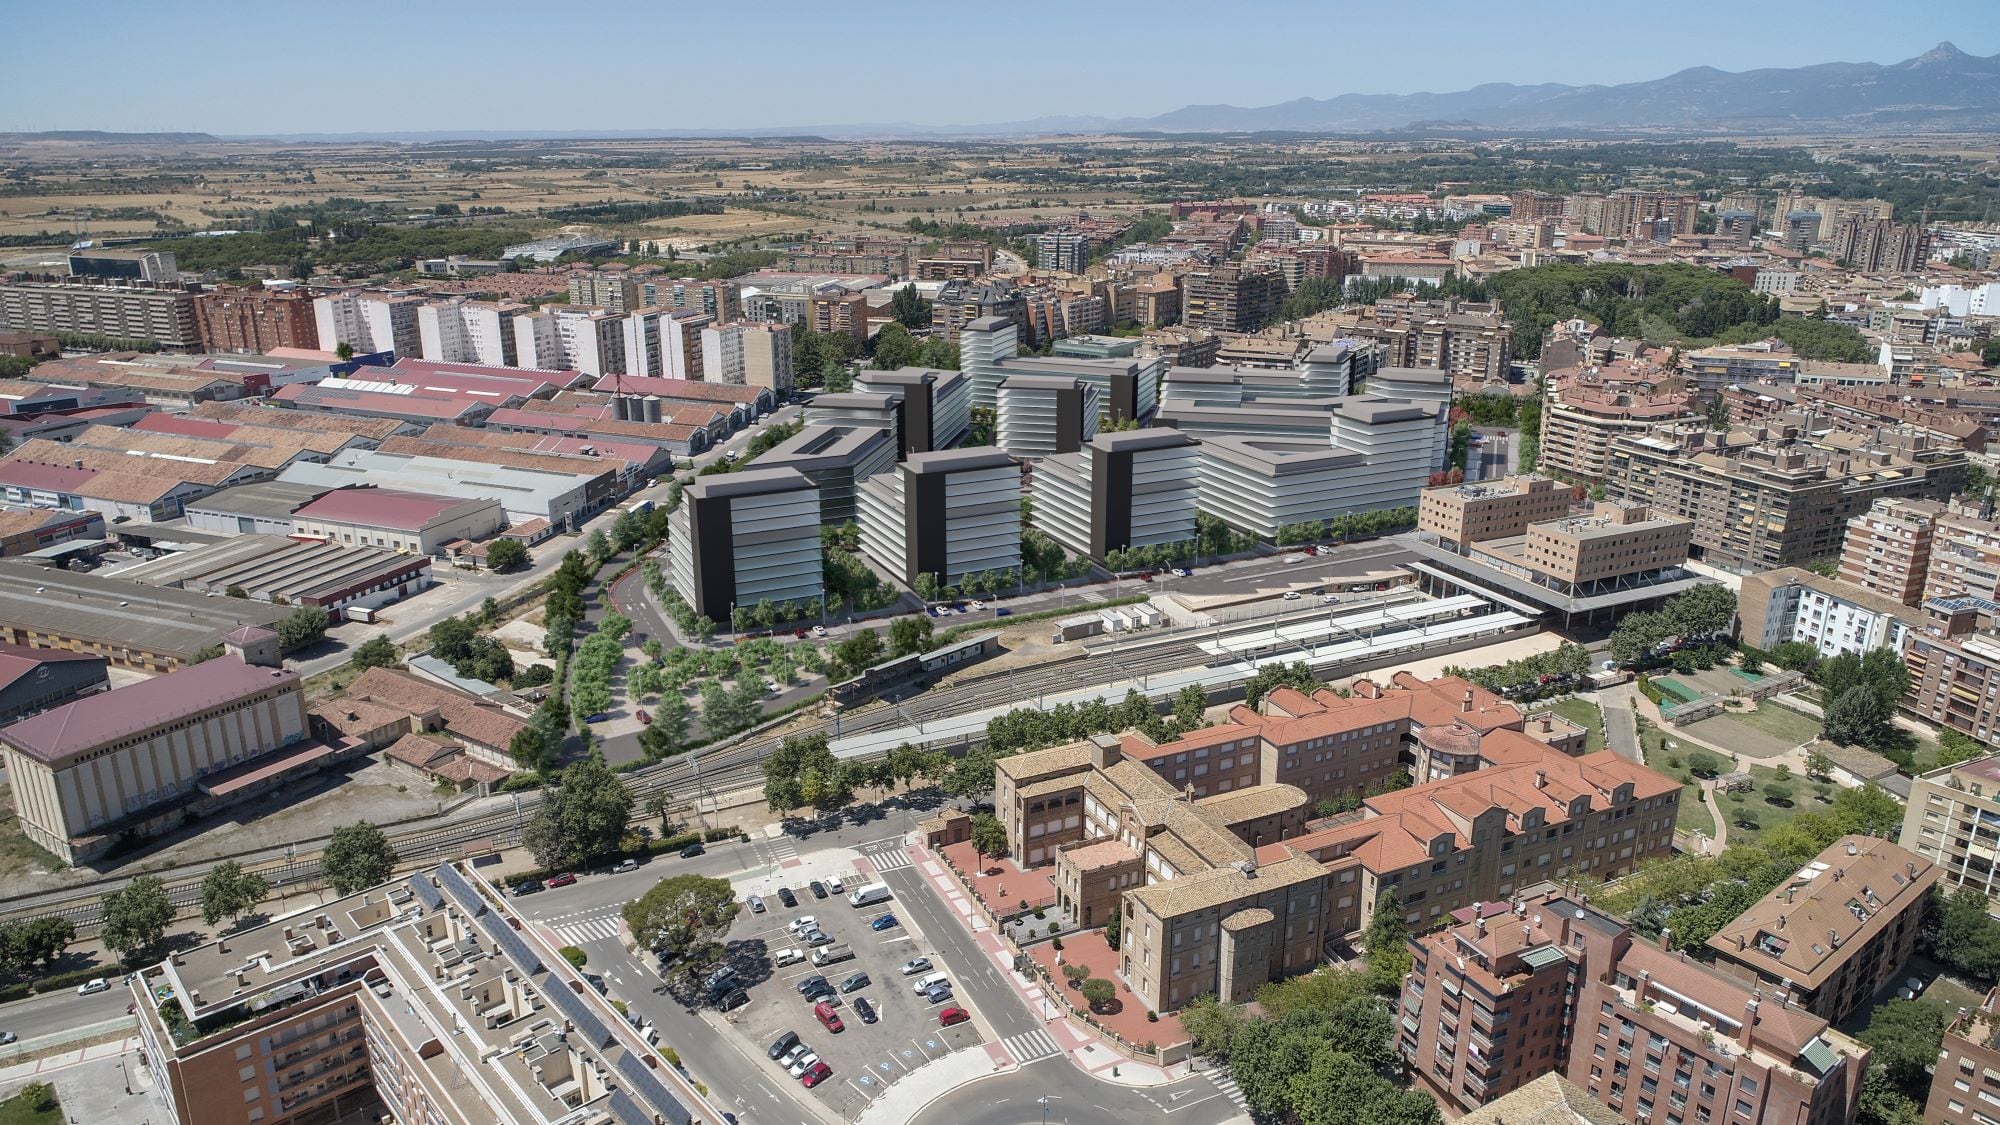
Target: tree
x=344 y=350
x=1853 y=718
x=205 y=653
x=1386 y=945
x=34 y=942
x=301 y=627
x=972 y=775
x=377 y=651
x=1297 y=675
x=910 y=310
x=1098 y=992
x=788 y=765
x=1818 y=764
x=895 y=348
x=682 y=911
x=1963 y=935
x=666 y=735
x=1190 y=707
x=581 y=818
x=1114 y=930
x=1867 y=811
x=1906 y=1035
x=357 y=857
x=1701 y=763
x=909 y=634
x=506 y=554
x=1777 y=793
x=859 y=651
x=530 y=749
x=135 y=917
x=627 y=529
x=989 y=836
x=1075 y=973
x=228 y=891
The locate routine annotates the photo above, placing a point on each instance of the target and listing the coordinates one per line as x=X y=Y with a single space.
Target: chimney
x=1467 y=705
x=1833 y=938
x=1548 y=721
x=1781 y=921
x=1541 y=779
x=1749 y=1021
x=1839 y=873
x=1645 y=981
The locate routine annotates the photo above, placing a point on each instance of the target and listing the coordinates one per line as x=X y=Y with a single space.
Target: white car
x=627 y=865
x=833 y=884
x=95 y=984
x=784 y=957
x=803 y=923
x=1291 y=595
x=802 y=1064
x=916 y=965
x=1328 y=599
x=819 y=630
x=978 y=605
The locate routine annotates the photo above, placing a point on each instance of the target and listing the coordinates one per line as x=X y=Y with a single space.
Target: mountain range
x=1943 y=89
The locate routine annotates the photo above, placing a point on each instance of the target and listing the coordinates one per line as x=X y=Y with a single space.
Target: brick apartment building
x=255 y=320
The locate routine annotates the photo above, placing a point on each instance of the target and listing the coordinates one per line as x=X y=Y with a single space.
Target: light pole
x=1045 y=1099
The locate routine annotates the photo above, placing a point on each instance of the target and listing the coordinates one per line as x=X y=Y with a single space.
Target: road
x=60 y=1011
x=1621 y=728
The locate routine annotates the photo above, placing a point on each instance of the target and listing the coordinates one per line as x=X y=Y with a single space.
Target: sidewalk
x=1090 y=1053
x=31 y=1069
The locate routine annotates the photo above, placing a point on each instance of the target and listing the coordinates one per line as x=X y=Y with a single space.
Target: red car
x=562 y=880
x=827 y=1017
x=644 y=717
x=953 y=1015
x=815 y=1074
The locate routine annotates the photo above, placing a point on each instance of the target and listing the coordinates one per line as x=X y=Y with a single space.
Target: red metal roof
x=379 y=507
x=134 y=708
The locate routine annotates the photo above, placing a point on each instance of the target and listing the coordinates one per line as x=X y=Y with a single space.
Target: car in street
x=819 y=630
x=952 y=1016
x=978 y=605
x=782 y=1044
x=855 y=982
x=693 y=850
x=803 y=1063
x=807 y=984
x=1183 y=572
x=1328 y=599
x=818 y=888
x=563 y=880
x=526 y=888
x=624 y=866
x=815 y=1074
x=916 y=965
x=882 y=922
x=8 y=1037
x=1294 y=559
x=756 y=903
x=594 y=981
x=828 y=1018
x=786 y=897
x=1292 y=595
x=93 y=985
x=864 y=1009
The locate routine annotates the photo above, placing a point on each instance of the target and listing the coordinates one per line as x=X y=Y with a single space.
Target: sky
x=230 y=67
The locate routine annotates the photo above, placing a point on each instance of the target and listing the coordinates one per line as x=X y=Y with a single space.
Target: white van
x=923 y=984
x=869 y=894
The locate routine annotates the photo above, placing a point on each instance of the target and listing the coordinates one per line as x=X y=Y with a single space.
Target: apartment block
x=747 y=354
x=1511 y=991
x=1535 y=205
x=1887 y=549
x=426 y=999
x=613 y=290
x=841 y=310
x=572 y=338
x=1043 y=415
x=1965 y=555
x=463 y=331
x=1952 y=819
x=1833 y=934
x=743 y=538
x=1965 y=1085
x=1230 y=298
x=1462 y=337
x=369 y=322
x=666 y=343
x=720 y=301
x=133 y=312
x=1579 y=423
x=1877 y=245
x=1062 y=251
x=1618 y=541
x=936 y=405
x=947 y=514
x=1135 y=488
x=1627 y=210
x=1469 y=513
x=1832 y=615
x=254 y=320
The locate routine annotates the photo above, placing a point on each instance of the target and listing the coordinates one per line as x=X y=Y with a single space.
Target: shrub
x=1152 y=1017
x=38 y=1097
x=575 y=956
x=672 y=1056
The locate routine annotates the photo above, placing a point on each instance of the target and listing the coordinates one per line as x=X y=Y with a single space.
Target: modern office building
x=463 y=331
x=1127 y=388
x=104 y=772
x=1042 y=415
x=1833 y=934
x=836 y=459
x=1617 y=540
x=232 y=319
x=748 y=354
x=112 y=264
x=426 y=999
x=1135 y=488
x=946 y=514
x=1401 y=441
x=1832 y=615
x=369 y=322
x=742 y=538
x=982 y=345
x=936 y=405
x=124 y=311
x=1518 y=988
x=1263 y=485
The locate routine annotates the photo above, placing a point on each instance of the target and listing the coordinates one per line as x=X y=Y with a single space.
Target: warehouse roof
x=88 y=723
x=379 y=507
x=271 y=499
x=121 y=614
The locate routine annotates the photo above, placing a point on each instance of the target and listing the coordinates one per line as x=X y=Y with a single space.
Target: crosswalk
x=1228 y=1087
x=1031 y=1045
x=888 y=857
x=777 y=850
x=604 y=927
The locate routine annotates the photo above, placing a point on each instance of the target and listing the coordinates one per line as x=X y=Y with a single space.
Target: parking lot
x=865 y=1057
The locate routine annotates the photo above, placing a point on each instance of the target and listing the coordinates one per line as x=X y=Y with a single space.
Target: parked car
x=736 y=999
x=786 y=897
x=1295 y=558
x=784 y=957
x=93 y=985
x=802 y=923
x=828 y=1018
x=854 y=983
x=693 y=850
x=526 y=888
x=803 y=1063
x=938 y=993
x=1003 y=612
x=594 y=981
x=809 y=983
x=793 y=1053
x=815 y=1074
x=624 y=866
x=645 y=717
x=864 y=1009
x=883 y=922
x=782 y=1044
x=818 y=888
x=8 y=1036
x=951 y=1016
x=978 y=605
x=834 y=885
x=916 y=965
x=819 y=630
x=597 y=718
x=817 y=938
x=1292 y=595
x=563 y=880
x=1183 y=572
x=756 y=904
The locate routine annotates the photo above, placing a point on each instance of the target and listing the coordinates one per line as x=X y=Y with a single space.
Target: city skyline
x=441 y=72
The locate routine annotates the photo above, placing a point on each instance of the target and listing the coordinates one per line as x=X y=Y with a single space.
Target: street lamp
x=1045 y=1099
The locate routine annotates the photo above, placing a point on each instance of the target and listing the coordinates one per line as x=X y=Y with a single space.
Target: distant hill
x=96 y=136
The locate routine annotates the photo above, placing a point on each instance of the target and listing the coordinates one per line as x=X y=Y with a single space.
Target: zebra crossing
x=604 y=927
x=888 y=857
x=776 y=850
x=1029 y=1046
x=1227 y=1085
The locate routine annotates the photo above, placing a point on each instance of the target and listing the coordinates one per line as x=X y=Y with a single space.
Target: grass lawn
x=1693 y=815
x=1755 y=802
x=1585 y=714
x=1780 y=722
x=15 y=1111
x=1925 y=751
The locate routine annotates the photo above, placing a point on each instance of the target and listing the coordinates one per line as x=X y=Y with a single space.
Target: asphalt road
x=60 y=1011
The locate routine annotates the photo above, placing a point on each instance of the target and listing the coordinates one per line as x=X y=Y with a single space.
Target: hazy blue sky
x=284 y=66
